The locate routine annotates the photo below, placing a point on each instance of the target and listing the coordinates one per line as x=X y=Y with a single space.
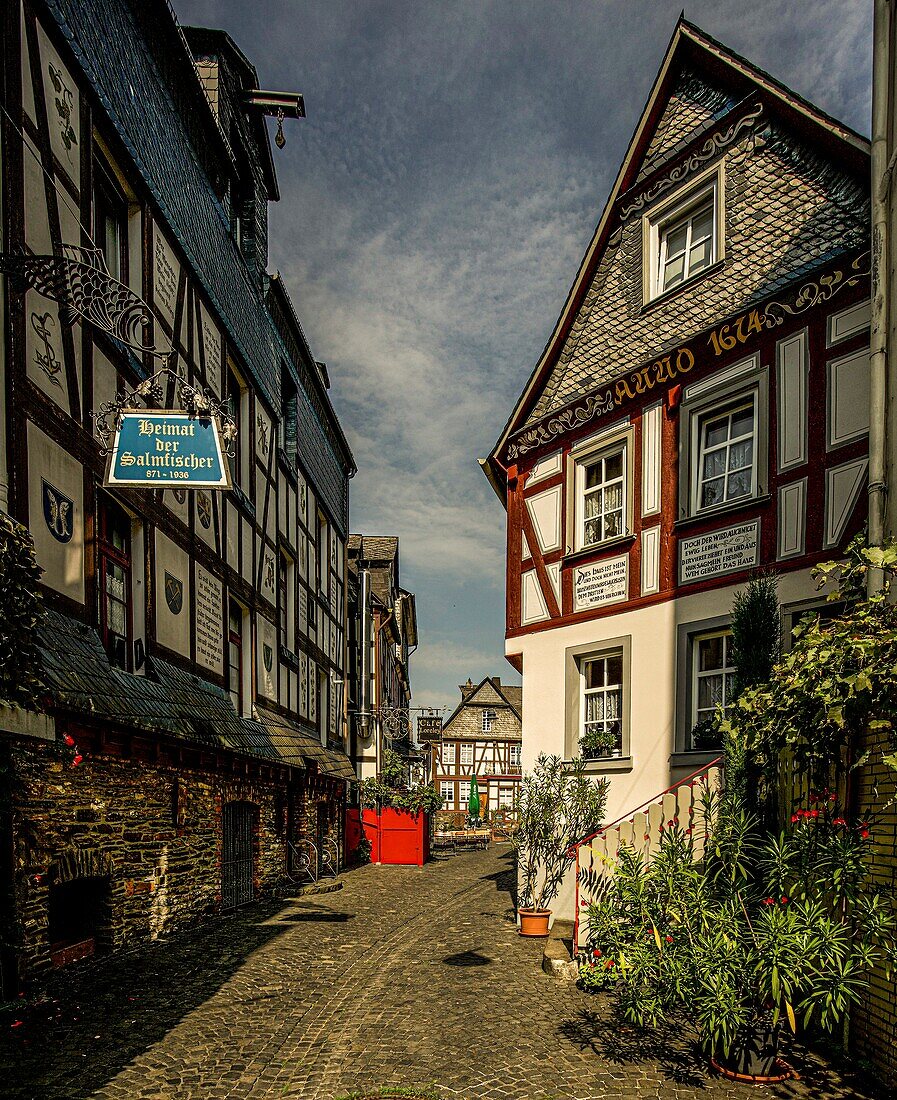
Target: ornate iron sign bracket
x=195 y=401
x=78 y=279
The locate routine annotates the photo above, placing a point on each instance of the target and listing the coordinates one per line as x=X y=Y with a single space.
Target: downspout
x=878 y=350
x=364 y=631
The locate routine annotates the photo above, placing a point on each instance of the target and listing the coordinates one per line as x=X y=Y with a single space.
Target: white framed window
x=686 y=246
x=466 y=753
x=515 y=756
x=447 y=790
x=726 y=467
x=488 y=720
x=600 y=491
x=601 y=710
x=684 y=235
x=464 y=792
x=723 y=440
x=448 y=753
x=713 y=674
x=505 y=798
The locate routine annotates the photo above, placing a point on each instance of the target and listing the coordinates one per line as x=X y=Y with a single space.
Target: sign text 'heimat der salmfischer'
x=167 y=449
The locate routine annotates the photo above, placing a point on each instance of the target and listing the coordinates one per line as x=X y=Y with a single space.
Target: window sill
x=723 y=510
x=694 y=758
x=609 y=764
x=599 y=548
x=693 y=280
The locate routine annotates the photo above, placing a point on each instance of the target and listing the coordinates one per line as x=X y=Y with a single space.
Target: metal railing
x=310 y=862
x=688 y=804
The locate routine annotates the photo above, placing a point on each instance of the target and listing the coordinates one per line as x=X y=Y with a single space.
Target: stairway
x=688 y=805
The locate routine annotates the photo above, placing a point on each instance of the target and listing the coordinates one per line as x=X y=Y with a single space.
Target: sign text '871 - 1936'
x=167 y=449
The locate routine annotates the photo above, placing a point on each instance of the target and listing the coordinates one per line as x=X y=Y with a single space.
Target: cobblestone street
x=411 y=979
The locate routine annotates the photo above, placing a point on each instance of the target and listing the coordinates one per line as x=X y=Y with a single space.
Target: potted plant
x=765 y=932
x=596 y=743
x=706 y=736
x=558 y=804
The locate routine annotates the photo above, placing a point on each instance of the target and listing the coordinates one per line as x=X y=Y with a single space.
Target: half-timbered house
x=192 y=752
x=482 y=738
x=700 y=411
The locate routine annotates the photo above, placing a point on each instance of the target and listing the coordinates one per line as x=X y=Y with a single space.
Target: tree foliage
x=21 y=613
x=756 y=633
x=558 y=804
x=838 y=681
x=763 y=930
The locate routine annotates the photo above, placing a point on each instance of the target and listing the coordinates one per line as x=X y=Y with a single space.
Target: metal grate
x=237 y=854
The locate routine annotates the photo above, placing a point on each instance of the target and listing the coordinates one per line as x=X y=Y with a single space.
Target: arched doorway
x=239 y=822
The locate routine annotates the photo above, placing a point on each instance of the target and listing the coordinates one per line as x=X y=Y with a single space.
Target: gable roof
x=689 y=45
x=491 y=692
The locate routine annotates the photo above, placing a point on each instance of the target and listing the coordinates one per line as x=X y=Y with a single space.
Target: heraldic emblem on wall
x=268 y=656
x=58 y=512
x=174 y=593
x=204 y=509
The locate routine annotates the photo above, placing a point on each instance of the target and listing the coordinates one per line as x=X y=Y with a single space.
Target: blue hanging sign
x=167 y=450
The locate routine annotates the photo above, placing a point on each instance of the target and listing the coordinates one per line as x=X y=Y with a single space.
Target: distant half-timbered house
x=482 y=738
x=192 y=753
x=700 y=412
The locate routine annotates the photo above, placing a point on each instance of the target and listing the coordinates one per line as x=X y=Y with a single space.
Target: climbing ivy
x=838 y=682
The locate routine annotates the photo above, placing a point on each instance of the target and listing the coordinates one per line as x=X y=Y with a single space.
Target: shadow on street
x=108 y=1011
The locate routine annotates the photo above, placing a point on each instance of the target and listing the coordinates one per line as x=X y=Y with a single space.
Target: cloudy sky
x=435 y=206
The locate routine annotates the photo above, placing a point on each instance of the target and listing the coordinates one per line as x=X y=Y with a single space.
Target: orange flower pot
x=534 y=922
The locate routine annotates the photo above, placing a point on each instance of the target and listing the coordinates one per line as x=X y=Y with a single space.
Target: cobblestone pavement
x=408 y=979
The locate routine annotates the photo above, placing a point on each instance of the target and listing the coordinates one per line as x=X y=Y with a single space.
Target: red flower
x=597 y=953
x=784 y=900
x=864 y=833
x=832 y=797
x=814 y=813
x=795 y=817
x=16 y=1023
x=69 y=740
x=768 y=901
x=76 y=759
x=839 y=821
x=688 y=832
x=608 y=964
x=669 y=939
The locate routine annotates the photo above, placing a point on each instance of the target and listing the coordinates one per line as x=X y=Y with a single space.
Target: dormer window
x=684 y=236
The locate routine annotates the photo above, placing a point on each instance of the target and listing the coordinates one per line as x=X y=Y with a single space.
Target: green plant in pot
x=558 y=804
x=596 y=743
x=706 y=735
x=764 y=932
x=391 y=788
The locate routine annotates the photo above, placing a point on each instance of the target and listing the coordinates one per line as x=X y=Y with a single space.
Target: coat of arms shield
x=58 y=512
x=204 y=509
x=174 y=593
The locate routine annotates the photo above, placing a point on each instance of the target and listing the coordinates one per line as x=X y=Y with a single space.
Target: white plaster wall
x=653 y=631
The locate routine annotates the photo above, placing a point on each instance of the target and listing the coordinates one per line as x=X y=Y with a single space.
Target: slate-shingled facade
x=193 y=750
x=700 y=410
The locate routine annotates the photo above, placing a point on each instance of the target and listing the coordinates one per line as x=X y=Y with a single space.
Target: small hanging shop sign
x=167 y=448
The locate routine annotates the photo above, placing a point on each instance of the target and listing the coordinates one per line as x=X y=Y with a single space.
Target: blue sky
x=435 y=206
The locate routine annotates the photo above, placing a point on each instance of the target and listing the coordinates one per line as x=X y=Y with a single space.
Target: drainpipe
x=878 y=357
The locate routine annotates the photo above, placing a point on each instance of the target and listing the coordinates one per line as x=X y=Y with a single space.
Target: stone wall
x=874 y=1021
x=154 y=830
